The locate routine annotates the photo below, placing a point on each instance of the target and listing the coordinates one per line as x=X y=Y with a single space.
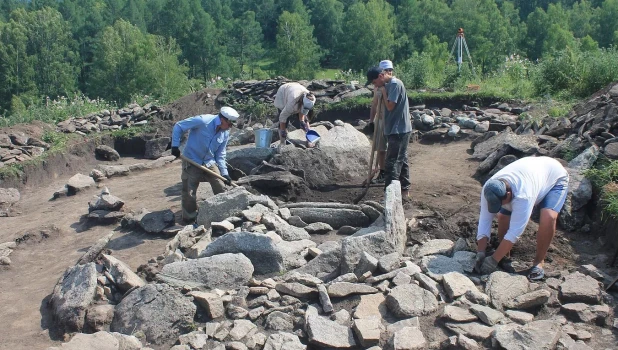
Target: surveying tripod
x=458 y=46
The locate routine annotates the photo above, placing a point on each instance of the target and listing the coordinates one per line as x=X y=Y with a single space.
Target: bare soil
x=53 y=234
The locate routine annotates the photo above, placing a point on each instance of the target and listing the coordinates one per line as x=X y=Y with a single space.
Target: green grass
x=604 y=177
x=54 y=111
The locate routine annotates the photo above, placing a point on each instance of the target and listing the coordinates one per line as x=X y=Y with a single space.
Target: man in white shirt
x=293 y=98
x=512 y=193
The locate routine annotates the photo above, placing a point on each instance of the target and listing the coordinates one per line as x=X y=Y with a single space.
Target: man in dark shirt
x=397 y=126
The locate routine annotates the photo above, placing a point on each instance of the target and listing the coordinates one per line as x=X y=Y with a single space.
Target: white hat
x=307 y=104
x=386 y=64
x=229 y=113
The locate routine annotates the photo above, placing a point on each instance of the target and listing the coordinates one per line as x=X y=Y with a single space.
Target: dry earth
x=445 y=201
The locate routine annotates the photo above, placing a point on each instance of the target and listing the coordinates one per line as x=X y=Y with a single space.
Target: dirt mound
x=199 y=102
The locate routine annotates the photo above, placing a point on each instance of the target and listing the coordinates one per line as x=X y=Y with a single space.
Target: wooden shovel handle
x=206 y=170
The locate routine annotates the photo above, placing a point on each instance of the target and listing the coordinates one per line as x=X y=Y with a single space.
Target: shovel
x=370 y=172
x=206 y=170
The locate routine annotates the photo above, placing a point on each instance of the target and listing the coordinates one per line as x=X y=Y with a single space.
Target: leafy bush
x=604 y=177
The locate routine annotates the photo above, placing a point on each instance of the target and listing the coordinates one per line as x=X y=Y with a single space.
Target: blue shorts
x=553 y=200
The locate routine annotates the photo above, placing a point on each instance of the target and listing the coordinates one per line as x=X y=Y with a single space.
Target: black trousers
x=397 y=160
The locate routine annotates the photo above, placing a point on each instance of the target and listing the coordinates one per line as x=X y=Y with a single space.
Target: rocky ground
x=96 y=261
x=444 y=207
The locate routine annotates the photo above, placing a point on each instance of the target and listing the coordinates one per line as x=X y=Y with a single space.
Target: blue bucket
x=313 y=136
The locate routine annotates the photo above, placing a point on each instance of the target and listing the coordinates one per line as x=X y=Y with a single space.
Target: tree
x=16 y=67
x=297 y=51
x=327 y=19
x=582 y=19
x=246 y=41
x=129 y=62
x=608 y=23
x=368 y=34
x=50 y=48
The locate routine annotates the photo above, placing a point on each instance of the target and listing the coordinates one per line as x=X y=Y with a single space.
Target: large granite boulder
x=157 y=310
x=266 y=255
x=245 y=159
x=525 y=144
x=541 y=335
x=224 y=271
x=223 y=205
x=342 y=154
x=72 y=295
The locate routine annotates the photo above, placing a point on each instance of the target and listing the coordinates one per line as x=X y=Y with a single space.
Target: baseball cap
x=229 y=113
x=372 y=74
x=494 y=191
x=386 y=64
x=307 y=105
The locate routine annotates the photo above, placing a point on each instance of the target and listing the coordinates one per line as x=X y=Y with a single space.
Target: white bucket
x=263 y=138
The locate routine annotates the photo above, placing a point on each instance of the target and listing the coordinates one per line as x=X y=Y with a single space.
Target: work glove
x=480 y=256
x=370 y=127
x=304 y=126
x=489 y=265
x=176 y=152
x=228 y=180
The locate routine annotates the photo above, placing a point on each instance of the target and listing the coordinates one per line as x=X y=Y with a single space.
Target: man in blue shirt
x=208 y=137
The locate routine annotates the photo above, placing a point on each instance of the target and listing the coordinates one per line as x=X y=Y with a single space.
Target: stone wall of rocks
x=18 y=147
x=326 y=91
x=126 y=117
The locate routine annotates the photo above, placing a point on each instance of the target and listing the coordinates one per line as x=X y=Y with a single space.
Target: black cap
x=373 y=73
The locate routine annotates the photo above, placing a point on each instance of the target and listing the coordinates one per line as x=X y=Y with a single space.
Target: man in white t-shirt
x=512 y=193
x=293 y=98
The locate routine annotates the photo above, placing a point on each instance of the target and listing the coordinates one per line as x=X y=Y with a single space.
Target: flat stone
x=195 y=340
x=223 y=205
x=529 y=300
x=389 y=262
x=427 y=283
x=343 y=289
x=222 y=226
x=296 y=221
x=520 y=316
x=342 y=317
x=477 y=297
x=434 y=247
x=408 y=338
x=502 y=287
x=393 y=328
x=578 y=287
x=79 y=182
x=101 y=341
x=335 y=217
x=456 y=284
x=318 y=228
x=580 y=312
x=367 y=263
x=411 y=300
x=371 y=306
x=327 y=333
x=284 y=341
x=124 y=278
x=401 y=279
x=285 y=230
x=542 y=335
x=437 y=265
x=488 y=315
x=472 y=330
x=241 y=329
x=211 y=302
x=225 y=271
x=296 y=289
x=156 y=222
x=457 y=314
x=368 y=331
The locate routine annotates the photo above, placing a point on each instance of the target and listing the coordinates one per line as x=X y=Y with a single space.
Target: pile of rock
x=581 y=139
x=326 y=91
x=445 y=124
x=126 y=117
x=18 y=147
x=363 y=292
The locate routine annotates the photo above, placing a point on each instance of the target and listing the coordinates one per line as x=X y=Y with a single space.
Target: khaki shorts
x=380 y=138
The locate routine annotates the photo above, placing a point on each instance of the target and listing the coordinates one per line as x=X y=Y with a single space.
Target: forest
x=115 y=50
